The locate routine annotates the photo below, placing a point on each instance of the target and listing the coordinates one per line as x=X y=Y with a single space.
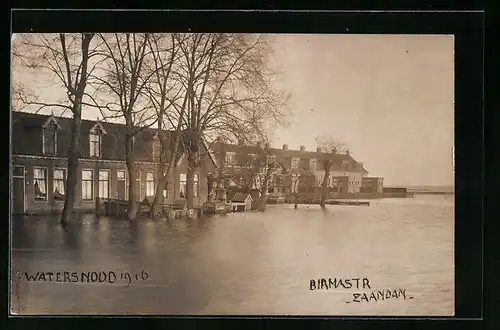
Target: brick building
x=346 y=174
x=39 y=164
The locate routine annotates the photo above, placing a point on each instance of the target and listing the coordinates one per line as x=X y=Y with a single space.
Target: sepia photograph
x=232 y=174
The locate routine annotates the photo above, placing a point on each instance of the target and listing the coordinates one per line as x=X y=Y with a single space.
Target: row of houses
x=39 y=165
x=346 y=176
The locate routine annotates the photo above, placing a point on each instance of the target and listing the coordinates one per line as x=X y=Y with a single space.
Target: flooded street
x=243 y=263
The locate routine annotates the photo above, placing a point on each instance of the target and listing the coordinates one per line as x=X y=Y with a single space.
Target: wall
x=50 y=205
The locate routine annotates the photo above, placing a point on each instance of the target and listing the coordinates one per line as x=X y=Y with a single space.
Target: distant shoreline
x=438 y=190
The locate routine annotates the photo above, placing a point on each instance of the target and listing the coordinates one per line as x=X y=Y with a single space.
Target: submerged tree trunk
x=263 y=198
x=72 y=178
x=77 y=91
x=132 y=191
x=161 y=185
x=324 y=187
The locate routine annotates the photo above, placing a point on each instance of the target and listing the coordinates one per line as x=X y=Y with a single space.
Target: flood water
x=242 y=263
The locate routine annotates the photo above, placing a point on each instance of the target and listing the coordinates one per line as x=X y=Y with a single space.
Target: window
x=150 y=184
x=230 y=158
x=120 y=175
x=40 y=183
x=59 y=184
x=138 y=183
x=312 y=164
x=182 y=186
x=295 y=163
x=50 y=138
x=87 y=182
x=18 y=171
x=103 y=184
x=196 y=185
x=95 y=141
x=156 y=148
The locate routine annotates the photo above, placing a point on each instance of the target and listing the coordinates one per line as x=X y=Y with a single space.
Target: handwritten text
x=87 y=277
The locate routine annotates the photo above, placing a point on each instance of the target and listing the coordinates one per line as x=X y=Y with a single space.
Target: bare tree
x=257 y=170
x=164 y=91
x=124 y=79
x=67 y=57
x=301 y=182
x=331 y=148
x=230 y=91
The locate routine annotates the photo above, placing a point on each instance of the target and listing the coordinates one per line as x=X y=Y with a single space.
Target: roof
x=27 y=137
x=282 y=155
x=240 y=197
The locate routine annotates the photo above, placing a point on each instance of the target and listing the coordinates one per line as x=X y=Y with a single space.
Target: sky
x=388 y=98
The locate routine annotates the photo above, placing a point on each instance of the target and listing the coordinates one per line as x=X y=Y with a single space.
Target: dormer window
x=156 y=147
x=95 y=140
x=49 y=136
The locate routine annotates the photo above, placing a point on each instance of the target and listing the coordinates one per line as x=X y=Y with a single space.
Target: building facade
x=294 y=169
x=39 y=165
x=372 y=185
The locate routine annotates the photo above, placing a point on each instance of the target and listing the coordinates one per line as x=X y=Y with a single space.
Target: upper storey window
x=49 y=136
x=95 y=140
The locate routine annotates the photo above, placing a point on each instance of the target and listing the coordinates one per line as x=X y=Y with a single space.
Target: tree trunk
x=324 y=187
x=73 y=152
x=190 y=179
x=162 y=184
x=132 y=193
x=296 y=201
x=263 y=199
x=72 y=178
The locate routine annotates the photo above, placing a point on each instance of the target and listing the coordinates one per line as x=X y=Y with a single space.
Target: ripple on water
x=247 y=263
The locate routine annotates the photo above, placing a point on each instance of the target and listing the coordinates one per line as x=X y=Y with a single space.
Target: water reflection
x=245 y=263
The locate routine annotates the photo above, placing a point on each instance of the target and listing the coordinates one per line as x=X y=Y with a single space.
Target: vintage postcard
x=232 y=174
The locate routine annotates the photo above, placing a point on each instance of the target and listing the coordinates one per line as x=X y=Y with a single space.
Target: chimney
x=347 y=152
x=302 y=148
x=318 y=149
x=285 y=147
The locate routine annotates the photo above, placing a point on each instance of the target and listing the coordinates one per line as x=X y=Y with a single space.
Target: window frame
x=45 y=171
x=46 y=128
x=64 y=182
x=148 y=182
x=181 y=184
x=92 y=180
x=92 y=147
x=99 y=183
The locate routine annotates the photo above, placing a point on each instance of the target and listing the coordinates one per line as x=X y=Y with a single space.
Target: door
x=18 y=198
x=120 y=185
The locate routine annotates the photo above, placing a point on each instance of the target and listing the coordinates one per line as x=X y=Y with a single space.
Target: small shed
x=241 y=202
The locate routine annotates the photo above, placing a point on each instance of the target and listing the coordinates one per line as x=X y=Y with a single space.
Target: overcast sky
x=389 y=98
